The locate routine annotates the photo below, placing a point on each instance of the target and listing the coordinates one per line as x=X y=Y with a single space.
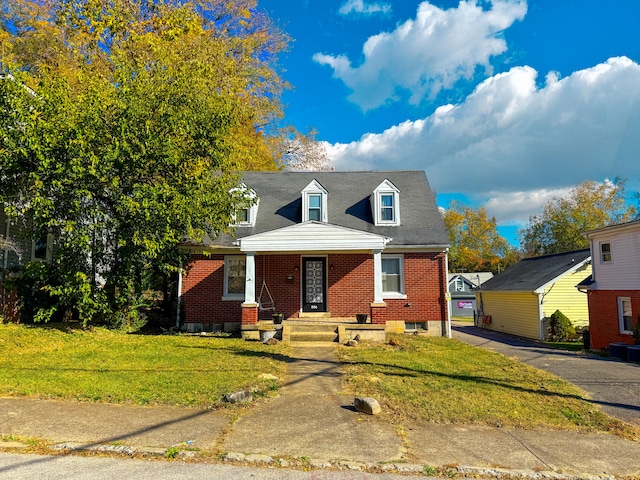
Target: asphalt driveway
x=612 y=384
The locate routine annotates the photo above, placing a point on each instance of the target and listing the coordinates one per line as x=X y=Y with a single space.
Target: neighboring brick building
x=325 y=244
x=614 y=287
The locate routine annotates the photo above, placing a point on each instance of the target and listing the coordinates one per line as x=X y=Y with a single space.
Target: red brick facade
x=604 y=326
x=9 y=304
x=350 y=288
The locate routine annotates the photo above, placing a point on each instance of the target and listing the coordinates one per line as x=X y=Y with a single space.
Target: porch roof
x=312 y=236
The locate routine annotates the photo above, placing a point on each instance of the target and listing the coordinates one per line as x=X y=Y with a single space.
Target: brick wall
x=202 y=288
x=8 y=304
x=604 y=326
x=425 y=283
x=350 y=287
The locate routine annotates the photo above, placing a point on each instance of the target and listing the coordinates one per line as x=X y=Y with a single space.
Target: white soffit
x=310 y=236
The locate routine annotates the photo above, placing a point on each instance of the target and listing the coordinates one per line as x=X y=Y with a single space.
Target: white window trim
x=225 y=294
x=386 y=188
x=395 y=295
x=602 y=260
x=621 y=300
x=314 y=188
x=48 y=250
x=252 y=200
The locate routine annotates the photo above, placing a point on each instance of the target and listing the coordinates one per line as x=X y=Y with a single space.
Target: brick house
x=613 y=290
x=324 y=245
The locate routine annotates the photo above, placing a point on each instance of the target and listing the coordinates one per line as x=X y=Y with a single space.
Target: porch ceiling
x=312 y=236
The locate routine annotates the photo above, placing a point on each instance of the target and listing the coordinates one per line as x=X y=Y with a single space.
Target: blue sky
x=503 y=103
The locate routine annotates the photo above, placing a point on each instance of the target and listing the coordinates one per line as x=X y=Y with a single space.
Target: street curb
x=237 y=458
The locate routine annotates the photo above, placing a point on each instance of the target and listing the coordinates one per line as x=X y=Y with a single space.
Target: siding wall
x=25 y=245
x=564 y=296
x=515 y=313
x=622 y=273
x=350 y=287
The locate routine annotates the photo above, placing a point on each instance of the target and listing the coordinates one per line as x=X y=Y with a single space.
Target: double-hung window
x=387 y=209
x=234 y=276
x=624 y=315
x=605 y=252
x=315 y=207
x=393 y=276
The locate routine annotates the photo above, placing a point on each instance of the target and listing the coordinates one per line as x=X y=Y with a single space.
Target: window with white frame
x=624 y=315
x=393 y=276
x=605 y=252
x=234 y=276
x=247 y=207
x=314 y=203
x=386 y=204
x=315 y=207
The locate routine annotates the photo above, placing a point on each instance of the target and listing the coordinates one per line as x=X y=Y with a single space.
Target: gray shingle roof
x=532 y=273
x=349 y=197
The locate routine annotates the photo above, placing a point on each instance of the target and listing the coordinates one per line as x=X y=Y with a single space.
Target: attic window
x=314 y=203
x=386 y=204
x=605 y=252
x=246 y=208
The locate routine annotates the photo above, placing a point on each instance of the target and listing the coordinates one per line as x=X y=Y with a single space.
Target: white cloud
x=515 y=208
x=515 y=142
x=426 y=54
x=360 y=6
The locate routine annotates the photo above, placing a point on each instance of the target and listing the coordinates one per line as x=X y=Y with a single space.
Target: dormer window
x=386 y=204
x=314 y=203
x=246 y=208
x=315 y=207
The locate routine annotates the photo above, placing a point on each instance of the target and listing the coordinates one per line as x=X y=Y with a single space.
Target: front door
x=314 y=284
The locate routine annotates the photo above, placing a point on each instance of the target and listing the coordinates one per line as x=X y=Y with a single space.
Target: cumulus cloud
x=516 y=142
x=424 y=55
x=362 y=7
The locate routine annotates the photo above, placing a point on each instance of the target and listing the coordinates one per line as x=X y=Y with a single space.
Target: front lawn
x=107 y=366
x=444 y=380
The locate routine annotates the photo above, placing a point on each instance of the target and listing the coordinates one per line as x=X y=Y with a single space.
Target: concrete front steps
x=324 y=329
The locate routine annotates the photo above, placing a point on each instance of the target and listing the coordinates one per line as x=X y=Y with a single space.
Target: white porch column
x=250 y=279
x=377 y=276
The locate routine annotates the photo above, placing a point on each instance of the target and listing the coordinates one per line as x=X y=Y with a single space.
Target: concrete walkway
x=313 y=419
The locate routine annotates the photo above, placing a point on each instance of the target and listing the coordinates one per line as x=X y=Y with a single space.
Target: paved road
x=613 y=384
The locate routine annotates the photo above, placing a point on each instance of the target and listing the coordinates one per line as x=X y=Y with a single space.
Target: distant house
x=462 y=290
x=326 y=245
x=16 y=251
x=613 y=291
x=520 y=300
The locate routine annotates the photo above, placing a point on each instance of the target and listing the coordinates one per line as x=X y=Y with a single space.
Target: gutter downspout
x=447 y=301
x=179 y=302
x=5 y=263
x=540 y=319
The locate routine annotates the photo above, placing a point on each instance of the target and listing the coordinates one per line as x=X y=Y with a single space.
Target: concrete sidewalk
x=312 y=419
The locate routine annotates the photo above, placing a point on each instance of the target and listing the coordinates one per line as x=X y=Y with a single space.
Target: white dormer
x=246 y=210
x=386 y=204
x=314 y=203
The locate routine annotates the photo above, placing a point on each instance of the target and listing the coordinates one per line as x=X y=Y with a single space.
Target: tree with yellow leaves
x=123 y=125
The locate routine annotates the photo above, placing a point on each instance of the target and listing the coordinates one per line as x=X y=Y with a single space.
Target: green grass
x=107 y=366
x=447 y=381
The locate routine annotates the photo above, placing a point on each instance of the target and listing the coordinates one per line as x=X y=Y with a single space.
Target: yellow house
x=520 y=300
